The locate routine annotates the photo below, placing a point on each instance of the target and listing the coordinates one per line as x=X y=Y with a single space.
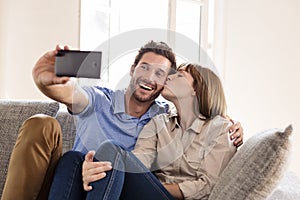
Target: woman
x=186 y=150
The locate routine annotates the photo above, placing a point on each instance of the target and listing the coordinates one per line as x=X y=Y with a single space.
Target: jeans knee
x=110 y=151
x=107 y=148
x=73 y=157
x=112 y=145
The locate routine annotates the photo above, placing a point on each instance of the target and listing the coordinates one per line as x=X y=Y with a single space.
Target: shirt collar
x=119 y=105
x=196 y=125
x=119 y=101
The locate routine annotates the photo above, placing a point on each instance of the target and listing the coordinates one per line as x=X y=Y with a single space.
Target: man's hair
x=159 y=48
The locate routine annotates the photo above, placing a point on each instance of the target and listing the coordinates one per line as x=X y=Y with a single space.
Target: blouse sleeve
x=216 y=157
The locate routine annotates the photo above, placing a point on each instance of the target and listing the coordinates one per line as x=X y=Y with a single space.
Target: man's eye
x=143 y=66
x=160 y=74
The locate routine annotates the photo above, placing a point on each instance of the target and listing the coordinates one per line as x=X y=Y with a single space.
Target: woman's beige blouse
x=193 y=159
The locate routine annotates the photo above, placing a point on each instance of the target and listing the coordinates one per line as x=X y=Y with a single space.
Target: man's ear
x=194 y=93
x=132 y=69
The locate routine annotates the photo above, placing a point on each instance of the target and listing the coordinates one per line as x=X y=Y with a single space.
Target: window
x=103 y=21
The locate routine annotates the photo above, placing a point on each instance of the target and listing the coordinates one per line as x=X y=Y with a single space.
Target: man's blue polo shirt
x=105 y=118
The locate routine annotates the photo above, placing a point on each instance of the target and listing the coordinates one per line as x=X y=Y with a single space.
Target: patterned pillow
x=12 y=115
x=257 y=167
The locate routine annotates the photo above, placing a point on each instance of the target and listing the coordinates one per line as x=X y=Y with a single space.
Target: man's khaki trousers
x=35 y=155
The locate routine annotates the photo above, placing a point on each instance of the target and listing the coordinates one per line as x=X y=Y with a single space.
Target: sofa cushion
x=12 y=115
x=257 y=167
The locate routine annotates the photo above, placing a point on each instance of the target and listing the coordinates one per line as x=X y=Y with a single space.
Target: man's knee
x=41 y=121
x=73 y=157
x=109 y=150
x=40 y=127
x=113 y=145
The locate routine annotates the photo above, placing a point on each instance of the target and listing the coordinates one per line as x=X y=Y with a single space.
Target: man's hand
x=236 y=134
x=44 y=73
x=93 y=171
x=174 y=190
x=61 y=89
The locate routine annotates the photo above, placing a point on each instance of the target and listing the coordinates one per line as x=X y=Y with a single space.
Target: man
x=101 y=112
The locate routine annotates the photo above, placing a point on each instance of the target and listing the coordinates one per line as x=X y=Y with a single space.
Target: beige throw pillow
x=257 y=167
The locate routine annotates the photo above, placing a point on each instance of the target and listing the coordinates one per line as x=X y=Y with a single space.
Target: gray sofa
x=257 y=171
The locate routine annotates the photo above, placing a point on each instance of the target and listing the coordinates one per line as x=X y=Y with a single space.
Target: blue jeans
x=129 y=178
x=67 y=182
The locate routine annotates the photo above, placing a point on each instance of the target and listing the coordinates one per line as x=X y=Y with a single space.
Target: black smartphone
x=75 y=63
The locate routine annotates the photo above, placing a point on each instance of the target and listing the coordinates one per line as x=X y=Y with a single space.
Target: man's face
x=149 y=76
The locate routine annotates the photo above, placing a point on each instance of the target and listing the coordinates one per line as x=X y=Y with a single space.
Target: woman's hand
x=93 y=171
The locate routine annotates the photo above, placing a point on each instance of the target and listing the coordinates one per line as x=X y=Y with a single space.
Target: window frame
x=203 y=42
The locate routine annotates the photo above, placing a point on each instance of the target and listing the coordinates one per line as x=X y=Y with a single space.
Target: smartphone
x=81 y=64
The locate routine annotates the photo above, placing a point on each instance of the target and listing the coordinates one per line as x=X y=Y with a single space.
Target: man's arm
x=61 y=89
x=174 y=190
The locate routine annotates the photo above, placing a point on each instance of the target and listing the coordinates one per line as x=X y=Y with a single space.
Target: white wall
x=259 y=47
x=2 y=39
x=257 y=44
x=28 y=29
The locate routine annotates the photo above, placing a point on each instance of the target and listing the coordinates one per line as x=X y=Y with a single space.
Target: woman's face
x=178 y=85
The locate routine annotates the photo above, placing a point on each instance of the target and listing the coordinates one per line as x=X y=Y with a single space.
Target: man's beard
x=143 y=98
